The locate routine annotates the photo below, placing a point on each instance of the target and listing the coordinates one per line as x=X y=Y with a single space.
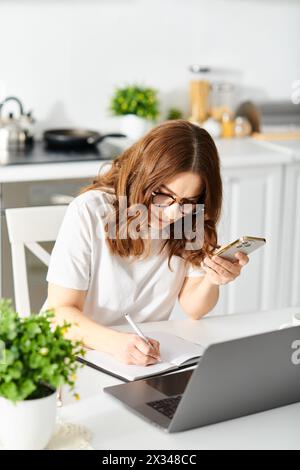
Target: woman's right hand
x=129 y=348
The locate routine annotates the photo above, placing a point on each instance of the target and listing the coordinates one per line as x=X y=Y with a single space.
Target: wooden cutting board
x=289 y=135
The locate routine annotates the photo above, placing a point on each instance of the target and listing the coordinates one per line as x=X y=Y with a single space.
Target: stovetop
x=39 y=153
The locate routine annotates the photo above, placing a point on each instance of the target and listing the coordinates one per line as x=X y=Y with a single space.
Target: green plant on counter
x=135 y=99
x=36 y=357
x=174 y=113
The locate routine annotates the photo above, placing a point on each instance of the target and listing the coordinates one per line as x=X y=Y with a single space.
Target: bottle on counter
x=199 y=90
x=227 y=125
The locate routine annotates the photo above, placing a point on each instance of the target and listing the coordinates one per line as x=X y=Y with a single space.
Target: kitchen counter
x=288 y=147
x=50 y=171
x=233 y=153
x=39 y=163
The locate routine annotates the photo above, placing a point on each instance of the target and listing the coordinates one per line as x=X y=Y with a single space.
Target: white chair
x=26 y=228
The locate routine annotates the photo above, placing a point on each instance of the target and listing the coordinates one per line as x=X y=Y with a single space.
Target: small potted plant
x=35 y=359
x=138 y=107
x=174 y=113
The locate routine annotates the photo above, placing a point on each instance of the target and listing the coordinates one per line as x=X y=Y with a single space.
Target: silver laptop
x=232 y=379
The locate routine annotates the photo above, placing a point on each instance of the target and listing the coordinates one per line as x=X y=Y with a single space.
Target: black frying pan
x=74 y=139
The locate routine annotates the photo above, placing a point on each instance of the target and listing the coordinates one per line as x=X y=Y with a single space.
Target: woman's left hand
x=221 y=271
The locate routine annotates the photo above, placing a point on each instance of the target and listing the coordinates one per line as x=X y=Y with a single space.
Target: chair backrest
x=26 y=228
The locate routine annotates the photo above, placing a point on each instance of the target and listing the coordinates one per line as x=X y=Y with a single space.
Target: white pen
x=137 y=330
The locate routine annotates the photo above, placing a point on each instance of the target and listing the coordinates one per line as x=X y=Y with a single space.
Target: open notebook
x=175 y=353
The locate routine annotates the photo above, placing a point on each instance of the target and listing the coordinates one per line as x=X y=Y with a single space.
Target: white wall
x=64 y=57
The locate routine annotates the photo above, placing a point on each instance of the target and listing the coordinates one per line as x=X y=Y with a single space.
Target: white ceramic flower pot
x=133 y=126
x=27 y=425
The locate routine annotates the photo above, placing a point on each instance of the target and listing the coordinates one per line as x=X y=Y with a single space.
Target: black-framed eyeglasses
x=163 y=200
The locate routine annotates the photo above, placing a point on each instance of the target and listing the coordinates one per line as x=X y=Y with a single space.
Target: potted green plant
x=174 y=113
x=35 y=359
x=138 y=107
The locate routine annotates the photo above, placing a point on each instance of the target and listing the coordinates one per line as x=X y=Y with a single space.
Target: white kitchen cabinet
x=253 y=181
x=252 y=206
x=289 y=288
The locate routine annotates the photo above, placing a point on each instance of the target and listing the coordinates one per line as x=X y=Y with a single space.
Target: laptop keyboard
x=166 y=406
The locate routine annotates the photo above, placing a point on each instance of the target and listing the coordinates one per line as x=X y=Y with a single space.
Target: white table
x=115 y=427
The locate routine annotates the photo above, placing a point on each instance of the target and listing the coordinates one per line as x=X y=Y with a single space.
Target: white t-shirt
x=145 y=288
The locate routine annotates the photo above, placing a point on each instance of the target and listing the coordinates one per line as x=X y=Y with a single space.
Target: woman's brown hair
x=168 y=149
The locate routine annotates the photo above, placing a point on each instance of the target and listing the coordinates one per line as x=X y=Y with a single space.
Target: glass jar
x=199 y=91
x=222 y=100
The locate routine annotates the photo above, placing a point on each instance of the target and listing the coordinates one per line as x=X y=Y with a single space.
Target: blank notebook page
x=175 y=351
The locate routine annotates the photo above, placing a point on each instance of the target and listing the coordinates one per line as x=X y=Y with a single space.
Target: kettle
x=16 y=133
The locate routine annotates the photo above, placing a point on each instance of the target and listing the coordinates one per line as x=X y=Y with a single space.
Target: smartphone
x=244 y=244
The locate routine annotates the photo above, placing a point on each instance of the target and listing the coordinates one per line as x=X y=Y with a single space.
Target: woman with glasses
x=139 y=238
